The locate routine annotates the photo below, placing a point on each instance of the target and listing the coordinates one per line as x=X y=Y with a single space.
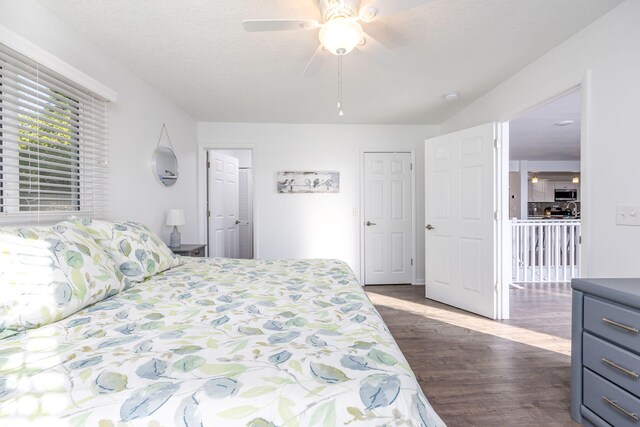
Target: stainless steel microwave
x=566 y=195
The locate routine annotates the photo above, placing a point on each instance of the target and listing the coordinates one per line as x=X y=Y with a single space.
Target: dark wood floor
x=480 y=372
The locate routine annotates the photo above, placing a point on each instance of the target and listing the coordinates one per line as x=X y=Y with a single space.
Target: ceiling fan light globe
x=340 y=36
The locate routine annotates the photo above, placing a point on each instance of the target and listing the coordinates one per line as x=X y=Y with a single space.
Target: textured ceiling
x=535 y=135
x=197 y=54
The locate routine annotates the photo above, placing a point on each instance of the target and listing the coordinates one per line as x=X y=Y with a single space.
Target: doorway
x=546 y=200
x=389 y=218
x=444 y=282
x=230 y=230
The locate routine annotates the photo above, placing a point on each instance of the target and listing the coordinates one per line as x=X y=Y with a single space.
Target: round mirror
x=165 y=166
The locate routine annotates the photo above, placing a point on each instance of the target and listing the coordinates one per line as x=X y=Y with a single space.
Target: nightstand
x=189 y=250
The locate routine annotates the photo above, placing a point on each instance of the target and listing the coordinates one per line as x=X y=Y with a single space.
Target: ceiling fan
x=340 y=32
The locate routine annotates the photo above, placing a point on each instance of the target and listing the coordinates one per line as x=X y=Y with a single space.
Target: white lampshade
x=175 y=217
x=339 y=36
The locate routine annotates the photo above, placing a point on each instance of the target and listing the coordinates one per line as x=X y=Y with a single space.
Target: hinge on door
x=497 y=142
x=497 y=215
x=411 y=261
x=410 y=166
x=579 y=240
x=208 y=214
x=208 y=164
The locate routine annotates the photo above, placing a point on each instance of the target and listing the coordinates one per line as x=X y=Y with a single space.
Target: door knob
x=369 y=223
x=237 y=221
x=430 y=227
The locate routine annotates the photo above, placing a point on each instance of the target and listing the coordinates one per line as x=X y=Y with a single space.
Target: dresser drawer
x=611 y=403
x=612 y=362
x=613 y=322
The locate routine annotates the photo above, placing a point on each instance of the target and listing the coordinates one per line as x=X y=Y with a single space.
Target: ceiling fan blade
x=376 y=50
x=377 y=8
x=315 y=63
x=252 y=25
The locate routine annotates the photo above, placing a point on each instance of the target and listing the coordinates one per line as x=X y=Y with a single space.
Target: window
x=53 y=155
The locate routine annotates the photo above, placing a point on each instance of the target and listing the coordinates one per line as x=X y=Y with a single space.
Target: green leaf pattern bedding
x=217 y=342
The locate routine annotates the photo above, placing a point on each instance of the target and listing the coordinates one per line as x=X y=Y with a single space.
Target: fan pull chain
x=340 y=112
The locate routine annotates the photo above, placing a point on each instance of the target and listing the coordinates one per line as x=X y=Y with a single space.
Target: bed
x=216 y=342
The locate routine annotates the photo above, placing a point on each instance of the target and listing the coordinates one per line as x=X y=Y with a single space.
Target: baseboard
x=419 y=282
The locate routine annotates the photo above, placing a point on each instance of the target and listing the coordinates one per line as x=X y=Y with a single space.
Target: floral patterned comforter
x=217 y=342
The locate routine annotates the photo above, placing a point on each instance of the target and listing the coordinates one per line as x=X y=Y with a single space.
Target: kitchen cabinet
x=537 y=191
x=563 y=185
x=550 y=191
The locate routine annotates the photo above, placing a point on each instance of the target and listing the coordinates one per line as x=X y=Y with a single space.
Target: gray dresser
x=605 y=352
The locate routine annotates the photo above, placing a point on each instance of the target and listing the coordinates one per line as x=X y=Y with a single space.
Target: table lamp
x=175 y=217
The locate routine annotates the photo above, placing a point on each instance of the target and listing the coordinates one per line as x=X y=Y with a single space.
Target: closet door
x=388 y=218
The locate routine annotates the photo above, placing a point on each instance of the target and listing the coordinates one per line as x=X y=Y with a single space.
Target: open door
x=224 y=205
x=463 y=232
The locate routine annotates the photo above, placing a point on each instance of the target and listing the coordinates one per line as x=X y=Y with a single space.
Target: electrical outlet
x=628 y=215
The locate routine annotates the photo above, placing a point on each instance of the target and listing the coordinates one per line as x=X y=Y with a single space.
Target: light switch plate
x=628 y=215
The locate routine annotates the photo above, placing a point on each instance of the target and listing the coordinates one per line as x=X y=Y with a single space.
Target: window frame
x=29 y=159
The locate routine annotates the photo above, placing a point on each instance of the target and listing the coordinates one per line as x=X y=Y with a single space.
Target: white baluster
x=545 y=250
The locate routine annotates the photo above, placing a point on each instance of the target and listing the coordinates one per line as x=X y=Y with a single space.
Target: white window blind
x=53 y=144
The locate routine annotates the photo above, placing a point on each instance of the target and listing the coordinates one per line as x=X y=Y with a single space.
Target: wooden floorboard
x=475 y=371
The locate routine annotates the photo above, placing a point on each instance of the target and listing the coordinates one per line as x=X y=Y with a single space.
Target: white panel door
x=388 y=218
x=223 y=205
x=460 y=206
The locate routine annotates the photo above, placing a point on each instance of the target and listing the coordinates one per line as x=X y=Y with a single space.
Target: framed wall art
x=308 y=182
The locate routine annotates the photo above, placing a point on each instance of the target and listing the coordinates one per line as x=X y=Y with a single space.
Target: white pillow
x=137 y=251
x=49 y=273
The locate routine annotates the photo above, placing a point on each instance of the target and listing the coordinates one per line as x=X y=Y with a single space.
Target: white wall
x=609 y=49
x=134 y=123
x=314 y=225
x=544 y=165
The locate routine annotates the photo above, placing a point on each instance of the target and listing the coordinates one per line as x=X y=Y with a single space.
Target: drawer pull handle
x=620 y=368
x=620 y=409
x=620 y=325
